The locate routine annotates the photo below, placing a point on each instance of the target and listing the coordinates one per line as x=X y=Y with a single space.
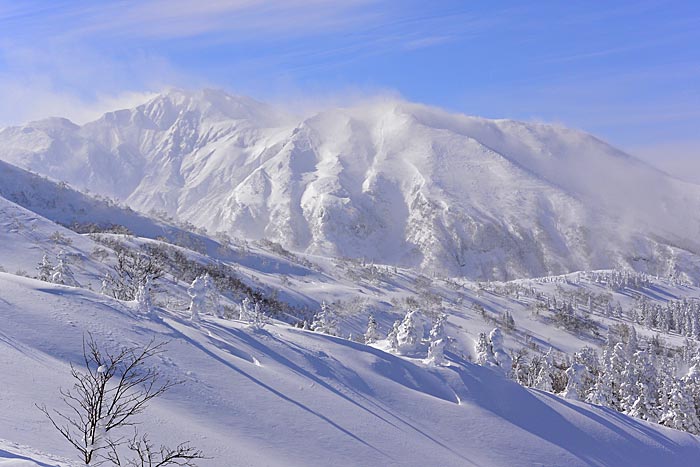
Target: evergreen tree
x=410 y=333
x=258 y=319
x=392 y=336
x=45 y=269
x=197 y=292
x=576 y=374
x=143 y=297
x=62 y=273
x=500 y=354
x=438 y=341
x=325 y=321
x=244 y=312
x=213 y=294
x=484 y=352
x=436 y=352
x=372 y=334
x=645 y=406
x=543 y=380
x=680 y=412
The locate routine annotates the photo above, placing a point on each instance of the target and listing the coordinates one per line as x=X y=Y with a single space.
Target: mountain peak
x=385 y=179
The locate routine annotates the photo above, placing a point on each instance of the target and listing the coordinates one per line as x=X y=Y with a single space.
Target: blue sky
x=628 y=72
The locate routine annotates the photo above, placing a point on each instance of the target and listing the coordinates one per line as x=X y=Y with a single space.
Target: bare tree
x=131 y=271
x=113 y=389
x=146 y=455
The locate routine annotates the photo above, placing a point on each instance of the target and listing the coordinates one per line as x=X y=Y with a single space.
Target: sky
x=626 y=71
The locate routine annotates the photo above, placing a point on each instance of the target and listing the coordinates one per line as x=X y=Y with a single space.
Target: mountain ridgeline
x=387 y=181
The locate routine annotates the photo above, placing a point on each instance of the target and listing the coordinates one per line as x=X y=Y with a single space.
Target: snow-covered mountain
x=387 y=180
x=287 y=396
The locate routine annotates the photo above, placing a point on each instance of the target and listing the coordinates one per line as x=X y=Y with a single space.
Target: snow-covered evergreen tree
x=143 y=297
x=438 y=341
x=325 y=321
x=197 y=292
x=258 y=319
x=244 y=311
x=392 y=336
x=213 y=294
x=372 y=334
x=576 y=375
x=436 y=352
x=680 y=412
x=410 y=333
x=501 y=356
x=437 y=331
x=45 y=269
x=62 y=273
x=543 y=380
x=484 y=352
x=645 y=405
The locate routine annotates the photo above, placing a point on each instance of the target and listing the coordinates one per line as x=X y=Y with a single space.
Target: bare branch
x=107 y=396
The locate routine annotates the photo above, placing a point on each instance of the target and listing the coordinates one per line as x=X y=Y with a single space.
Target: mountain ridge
x=389 y=181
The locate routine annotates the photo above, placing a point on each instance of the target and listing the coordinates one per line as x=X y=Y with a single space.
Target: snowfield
x=285 y=396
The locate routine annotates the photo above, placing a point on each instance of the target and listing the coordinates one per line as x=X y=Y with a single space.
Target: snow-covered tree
x=619 y=377
x=645 y=405
x=543 y=380
x=45 y=269
x=437 y=331
x=501 y=356
x=392 y=336
x=438 y=341
x=143 y=297
x=602 y=391
x=680 y=412
x=576 y=379
x=214 y=298
x=484 y=352
x=258 y=319
x=62 y=273
x=436 y=352
x=325 y=321
x=244 y=311
x=410 y=333
x=197 y=292
x=372 y=334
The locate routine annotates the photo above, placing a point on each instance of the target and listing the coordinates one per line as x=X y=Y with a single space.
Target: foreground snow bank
x=289 y=397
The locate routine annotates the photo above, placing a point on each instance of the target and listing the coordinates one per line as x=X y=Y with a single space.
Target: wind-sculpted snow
x=290 y=397
x=389 y=181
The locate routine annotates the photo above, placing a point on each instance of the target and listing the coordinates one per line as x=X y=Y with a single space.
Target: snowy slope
x=291 y=397
x=354 y=289
x=390 y=181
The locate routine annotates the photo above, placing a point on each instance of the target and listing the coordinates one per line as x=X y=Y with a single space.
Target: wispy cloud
x=678 y=158
x=73 y=53
x=171 y=19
